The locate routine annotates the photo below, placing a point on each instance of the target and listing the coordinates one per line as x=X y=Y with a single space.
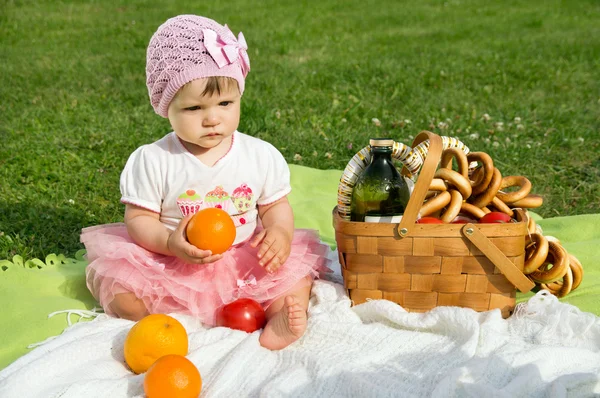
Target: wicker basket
x=422 y=266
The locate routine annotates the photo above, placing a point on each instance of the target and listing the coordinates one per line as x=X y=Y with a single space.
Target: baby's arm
x=146 y=230
x=276 y=238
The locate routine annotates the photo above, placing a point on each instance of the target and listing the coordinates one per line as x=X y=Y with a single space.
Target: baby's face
x=204 y=121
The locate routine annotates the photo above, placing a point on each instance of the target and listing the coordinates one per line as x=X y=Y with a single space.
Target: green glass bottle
x=380 y=193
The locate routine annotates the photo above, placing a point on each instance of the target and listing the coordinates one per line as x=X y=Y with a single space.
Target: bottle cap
x=381 y=142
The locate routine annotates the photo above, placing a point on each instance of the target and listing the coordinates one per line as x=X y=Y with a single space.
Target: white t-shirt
x=164 y=177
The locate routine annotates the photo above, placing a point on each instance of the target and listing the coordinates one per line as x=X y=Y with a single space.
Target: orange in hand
x=173 y=376
x=211 y=229
x=152 y=337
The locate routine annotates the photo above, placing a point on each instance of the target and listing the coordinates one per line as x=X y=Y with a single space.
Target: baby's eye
x=225 y=103
x=192 y=108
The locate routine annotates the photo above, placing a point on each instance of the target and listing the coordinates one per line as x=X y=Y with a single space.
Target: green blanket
x=31 y=290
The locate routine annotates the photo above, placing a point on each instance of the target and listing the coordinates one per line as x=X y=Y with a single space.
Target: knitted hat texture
x=178 y=54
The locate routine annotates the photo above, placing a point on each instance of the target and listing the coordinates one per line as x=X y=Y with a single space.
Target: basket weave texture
x=422 y=266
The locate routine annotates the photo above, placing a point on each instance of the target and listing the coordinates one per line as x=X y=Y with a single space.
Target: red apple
x=495 y=217
x=242 y=314
x=429 y=220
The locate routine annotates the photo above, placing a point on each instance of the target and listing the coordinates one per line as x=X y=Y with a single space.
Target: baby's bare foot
x=287 y=326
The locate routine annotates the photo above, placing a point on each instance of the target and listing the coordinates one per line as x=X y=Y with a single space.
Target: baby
x=196 y=70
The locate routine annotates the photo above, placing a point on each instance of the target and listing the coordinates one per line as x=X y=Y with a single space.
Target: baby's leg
x=286 y=317
x=128 y=306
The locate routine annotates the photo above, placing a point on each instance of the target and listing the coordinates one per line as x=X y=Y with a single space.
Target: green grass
x=74 y=103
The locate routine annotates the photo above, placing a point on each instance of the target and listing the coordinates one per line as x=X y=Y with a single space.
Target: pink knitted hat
x=189 y=47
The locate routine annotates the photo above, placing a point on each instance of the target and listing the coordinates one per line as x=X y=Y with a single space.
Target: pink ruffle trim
x=167 y=284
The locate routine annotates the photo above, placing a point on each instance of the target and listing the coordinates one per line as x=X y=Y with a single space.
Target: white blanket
x=548 y=349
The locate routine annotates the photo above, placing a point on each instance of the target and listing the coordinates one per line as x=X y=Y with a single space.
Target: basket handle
x=423 y=181
x=495 y=255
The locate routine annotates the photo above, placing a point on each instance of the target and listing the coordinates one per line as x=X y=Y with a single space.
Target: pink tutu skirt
x=167 y=284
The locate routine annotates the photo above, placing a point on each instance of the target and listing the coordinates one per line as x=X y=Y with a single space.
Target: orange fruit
x=211 y=229
x=152 y=337
x=172 y=376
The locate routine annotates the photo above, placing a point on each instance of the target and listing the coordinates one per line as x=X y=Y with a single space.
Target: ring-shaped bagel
x=471 y=210
x=480 y=184
x=577 y=275
x=436 y=214
x=455 y=179
x=501 y=206
x=514 y=181
x=560 y=288
x=476 y=175
x=530 y=201
x=453 y=208
x=531 y=224
x=437 y=184
x=436 y=203
x=461 y=161
x=486 y=197
x=577 y=270
x=557 y=256
x=535 y=253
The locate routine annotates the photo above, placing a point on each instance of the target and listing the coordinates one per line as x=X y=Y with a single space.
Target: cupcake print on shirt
x=242 y=198
x=217 y=198
x=189 y=202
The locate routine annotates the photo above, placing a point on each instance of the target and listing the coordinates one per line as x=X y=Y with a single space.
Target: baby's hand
x=274 y=247
x=180 y=247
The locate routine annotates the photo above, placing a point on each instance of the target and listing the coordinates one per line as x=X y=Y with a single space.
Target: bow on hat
x=226 y=50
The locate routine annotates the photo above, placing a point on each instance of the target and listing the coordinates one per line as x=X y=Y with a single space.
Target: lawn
x=517 y=79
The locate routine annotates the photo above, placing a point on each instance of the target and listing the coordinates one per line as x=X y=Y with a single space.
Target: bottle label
x=389 y=219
